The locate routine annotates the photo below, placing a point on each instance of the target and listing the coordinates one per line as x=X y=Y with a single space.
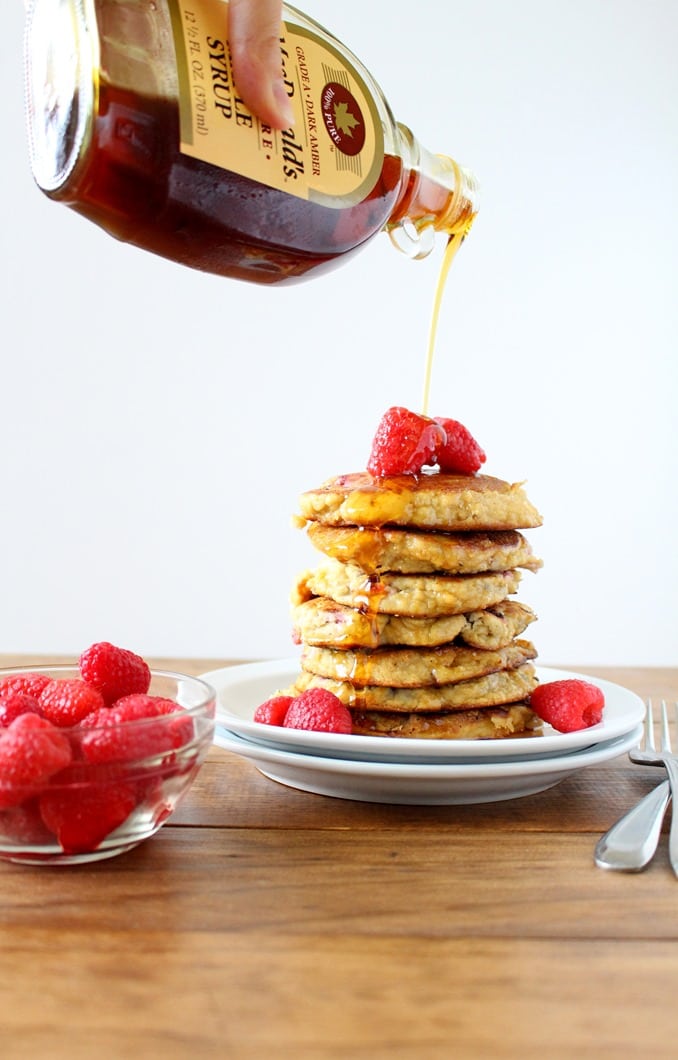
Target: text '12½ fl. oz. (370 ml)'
x=136 y=123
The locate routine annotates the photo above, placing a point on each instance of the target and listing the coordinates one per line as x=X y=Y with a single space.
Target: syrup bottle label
x=333 y=154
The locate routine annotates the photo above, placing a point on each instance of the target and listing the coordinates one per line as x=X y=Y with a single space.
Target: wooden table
x=262 y=921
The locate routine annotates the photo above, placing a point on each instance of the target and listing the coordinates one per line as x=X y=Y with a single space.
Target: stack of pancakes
x=408 y=618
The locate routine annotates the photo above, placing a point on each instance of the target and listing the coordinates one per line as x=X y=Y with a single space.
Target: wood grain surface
x=262 y=921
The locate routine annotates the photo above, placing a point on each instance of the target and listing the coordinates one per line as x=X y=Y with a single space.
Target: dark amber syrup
x=136 y=184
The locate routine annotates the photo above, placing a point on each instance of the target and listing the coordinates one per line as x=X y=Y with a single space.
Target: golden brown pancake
x=324 y=623
x=435 y=501
x=491 y=690
x=513 y=719
x=496 y=626
x=414 y=595
x=408 y=619
x=377 y=549
x=413 y=667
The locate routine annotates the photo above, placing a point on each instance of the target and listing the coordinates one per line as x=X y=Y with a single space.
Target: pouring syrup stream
x=453 y=245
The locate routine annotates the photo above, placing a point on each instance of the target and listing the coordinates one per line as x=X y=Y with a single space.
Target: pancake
x=491 y=690
x=413 y=595
x=496 y=626
x=322 y=622
x=420 y=552
x=408 y=619
x=514 y=719
x=435 y=501
x=413 y=667
x=325 y=623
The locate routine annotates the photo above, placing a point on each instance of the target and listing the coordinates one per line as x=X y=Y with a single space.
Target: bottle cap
x=59 y=88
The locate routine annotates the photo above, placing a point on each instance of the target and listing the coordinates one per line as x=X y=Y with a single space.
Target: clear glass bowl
x=113 y=794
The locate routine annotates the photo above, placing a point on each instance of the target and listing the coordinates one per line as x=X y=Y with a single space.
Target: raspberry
x=273 y=711
x=82 y=816
x=404 y=443
x=137 y=727
x=460 y=454
x=568 y=705
x=320 y=710
x=29 y=684
x=174 y=731
x=66 y=702
x=14 y=704
x=23 y=824
x=115 y=672
x=31 y=751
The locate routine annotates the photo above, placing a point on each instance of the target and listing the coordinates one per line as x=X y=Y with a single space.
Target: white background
x=157 y=424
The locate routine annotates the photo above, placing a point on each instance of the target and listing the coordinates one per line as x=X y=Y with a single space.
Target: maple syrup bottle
x=134 y=122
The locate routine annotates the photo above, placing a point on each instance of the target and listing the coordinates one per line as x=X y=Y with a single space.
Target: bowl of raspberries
x=95 y=757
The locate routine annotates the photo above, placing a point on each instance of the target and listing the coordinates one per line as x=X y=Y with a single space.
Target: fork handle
x=671 y=765
x=631 y=843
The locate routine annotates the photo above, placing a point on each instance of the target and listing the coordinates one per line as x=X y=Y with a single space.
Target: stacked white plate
x=416 y=772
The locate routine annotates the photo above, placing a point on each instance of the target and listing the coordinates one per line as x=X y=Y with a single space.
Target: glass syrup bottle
x=134 y=122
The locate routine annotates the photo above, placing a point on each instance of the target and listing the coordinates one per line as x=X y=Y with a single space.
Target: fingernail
x=283 y=102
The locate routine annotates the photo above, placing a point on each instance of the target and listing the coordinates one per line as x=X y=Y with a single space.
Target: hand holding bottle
x=254 y=35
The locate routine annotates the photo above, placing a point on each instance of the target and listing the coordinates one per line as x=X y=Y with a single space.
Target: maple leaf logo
x=344 y=120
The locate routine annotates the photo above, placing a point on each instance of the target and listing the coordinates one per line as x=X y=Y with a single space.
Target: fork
x=631 y=843
x=648 y=755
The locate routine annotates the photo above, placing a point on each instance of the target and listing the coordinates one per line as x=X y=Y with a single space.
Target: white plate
x=420 y=784
x=240 y=690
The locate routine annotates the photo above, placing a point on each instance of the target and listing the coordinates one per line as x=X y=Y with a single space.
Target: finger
x=254 y=36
